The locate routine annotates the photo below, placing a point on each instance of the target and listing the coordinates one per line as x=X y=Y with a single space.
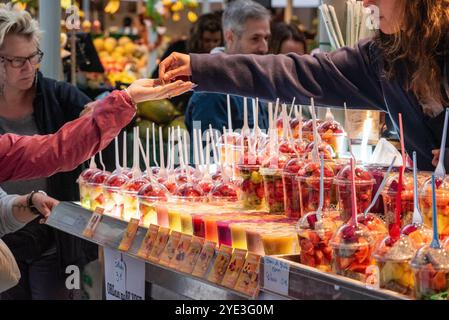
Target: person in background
x=128 y=28
x=286 y=38
x=246 y=28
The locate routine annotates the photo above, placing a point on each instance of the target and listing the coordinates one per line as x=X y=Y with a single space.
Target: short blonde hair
x=14 y=21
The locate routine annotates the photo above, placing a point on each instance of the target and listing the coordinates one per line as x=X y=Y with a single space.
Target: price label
x=129 y=235
x=276 y=275
x=93 y=223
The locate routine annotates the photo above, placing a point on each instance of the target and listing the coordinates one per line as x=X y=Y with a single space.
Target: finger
x=179 y=86
x=164 y=64
x=180 y=90
x=180 y=71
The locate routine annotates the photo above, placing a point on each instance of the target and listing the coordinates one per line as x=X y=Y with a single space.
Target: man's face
x=211 y=40
x=253 y=40
x=389 y=14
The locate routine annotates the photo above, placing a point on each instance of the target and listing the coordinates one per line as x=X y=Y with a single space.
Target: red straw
x=353 y=193
x=395 y=228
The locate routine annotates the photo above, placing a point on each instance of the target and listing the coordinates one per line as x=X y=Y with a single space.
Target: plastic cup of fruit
x=431 y=273
x=389 y=197
x=95 y=186
x=294 y=125
x=375 y=225
x=352 y=251
x=309 y=187
x=378 y=173
x=323 y=148
x=84 y=187
x=292 y=148
x=307 y=129
x=274 y=189
x=130 y=201
x=442 y=196
x=314 y=237
x=393 y=260
x=169 y=183
x=252 y=189
x=333 y=133
x=364 y=183
x=280 y=242
x=149 y=197
x=291 y=188
x=113 y=194
x=419 y=235
x=225 y=193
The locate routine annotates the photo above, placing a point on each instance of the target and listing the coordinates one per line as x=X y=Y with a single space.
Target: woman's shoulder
x=61 y=90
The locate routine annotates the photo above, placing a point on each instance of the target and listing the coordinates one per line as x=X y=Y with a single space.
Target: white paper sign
x=124 y=276
x=276 y=275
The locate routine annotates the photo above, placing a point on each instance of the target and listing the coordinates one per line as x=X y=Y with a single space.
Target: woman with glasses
x=31 y=104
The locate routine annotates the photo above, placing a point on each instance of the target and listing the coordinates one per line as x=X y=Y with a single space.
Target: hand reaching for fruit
x=149 y=89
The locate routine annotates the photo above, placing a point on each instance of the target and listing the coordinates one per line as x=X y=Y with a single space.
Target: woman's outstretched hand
x=150 y=89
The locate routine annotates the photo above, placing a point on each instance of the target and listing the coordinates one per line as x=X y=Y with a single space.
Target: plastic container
x=149 y=197
x=419 y=235
x=238 y=233
x=280 y=242
x=314 y=239
x=186 y=223
x=84 y=187
x=307 y=129
x=95 y=187
x=162 y=215
x=253 y=193
x=375 y=225
x=352 y=251
x=323 y=148
x=274 y=189
x=431 y=273
x=232 y=153
x=291 y=188
x=389 y=197
x=333 y=134
x=393 y=262
x=254 y=240
x=113 y=194
x=130 y=202
x=309 y=187
x=442 y=196
x=364 y=183
x=225 y=192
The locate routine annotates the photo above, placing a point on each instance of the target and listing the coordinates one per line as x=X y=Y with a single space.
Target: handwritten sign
x=93 y=223
x=276 y=275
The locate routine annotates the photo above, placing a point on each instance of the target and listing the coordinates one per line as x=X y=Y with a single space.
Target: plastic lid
x=391 y=187
x=134 y=185
x=329 y=222
x=442 y=188
x=362 y=176
x=88 y=173
x=290 y=146
x=310 y=174
x=190 y=170
x=323 y=148
x=419 y=235
x=349 y=236
x=153 y=191
x=225 y=191
x=401 y=250
x=332 y=127
x=99 y=177
x=189 y=192
x=116 y=180
x=427 y=256
x=308 y=125
x=374 y=223
x=293 y=166
x=231 y=139
x=275 y=161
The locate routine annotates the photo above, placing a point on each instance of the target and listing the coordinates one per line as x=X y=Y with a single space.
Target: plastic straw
x=101 y=161
x=154 y=146
x=92 y=164
x=161 y=150
x=353 y=193
x=125 y=151
x=229 y=113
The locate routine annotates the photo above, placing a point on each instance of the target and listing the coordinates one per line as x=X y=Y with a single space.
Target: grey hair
x=238 y=12
x=14 y=21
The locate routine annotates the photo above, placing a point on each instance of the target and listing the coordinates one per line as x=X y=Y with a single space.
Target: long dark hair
x=419 y=48
x=281 y=32
x=208 y=22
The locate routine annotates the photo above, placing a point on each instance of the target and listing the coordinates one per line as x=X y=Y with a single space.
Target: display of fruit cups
x=333 y=133
x=253 y=193
x=314 y=237
x=309 y=187
x=95 y=187
x=83 y=186
x=274 y=189
x=113 y=194
x=375 y=225
x=442 y=196
x=307 y=129
x=280 y=242
x=364 y=183
x=393 y=260
x=149 y=197
x=291 y=188
x=352 y=248
x=389 y=197
x=130 y=202
x=431 y=273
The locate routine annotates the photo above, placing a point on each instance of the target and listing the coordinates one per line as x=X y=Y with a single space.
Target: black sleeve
x=71 y=100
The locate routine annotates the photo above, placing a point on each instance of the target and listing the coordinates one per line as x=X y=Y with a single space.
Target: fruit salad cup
x=442 y=196
x=95 y=186
x=375 y=225
x=393 y=260
x=291 y=188
x=253 y=193
x=333 y=133
x=113 y=194
x=431 y=273
x=364 y=183
x=419 y=235
x=314 y=237
x=292 y=148
x=323 y=148
x=274 y=189
x=352 y=248
x=225 y=193
x=149 y=197
x=307 y=129
x=130 y=202
x=378 y=172
x=83 y=186
x=232 y=153
x=294 y=125
x=389 y=197
x=309 y=187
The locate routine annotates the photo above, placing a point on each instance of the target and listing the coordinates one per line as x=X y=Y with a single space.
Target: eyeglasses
x=19 y=62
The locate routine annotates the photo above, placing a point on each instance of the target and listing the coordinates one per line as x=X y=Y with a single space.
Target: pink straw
x=401 y=133
x=353 y=193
